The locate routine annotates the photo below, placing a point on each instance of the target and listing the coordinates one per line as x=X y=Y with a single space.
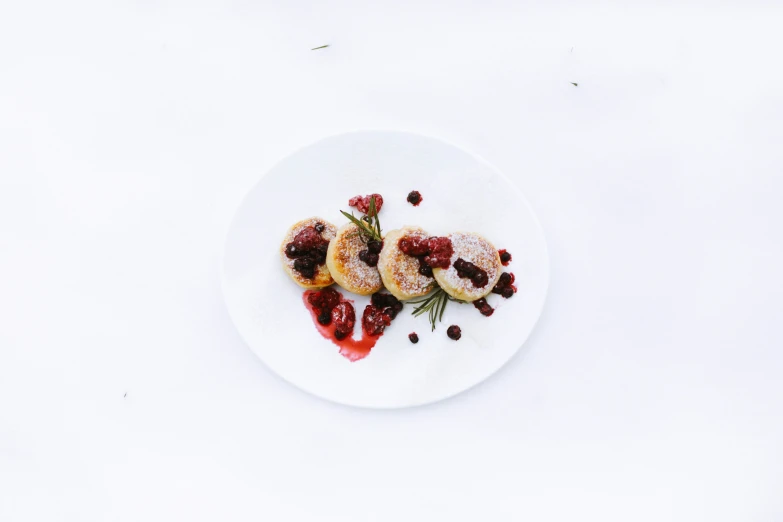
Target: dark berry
x=454 y=332
x=303 y=263
x=319 y=227
x=505 y=257
x=340 y=334
x=375 y=246
x=367 y=219
x=467 y=269
x=389 y=304
x=305 y=266
x=483 y=306
x=505 y=285
x=325 y=318
x=464 y=268
x=382 y=300
x=290 y=251
x=424 y=268
x=395 y=309
x=368 y=258
x=413 y=337
x=480 y=279
x=414 y=198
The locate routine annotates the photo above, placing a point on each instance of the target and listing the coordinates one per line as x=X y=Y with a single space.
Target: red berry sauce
x=308 y=250
x=505 y=285
x=338 y=328
x=362 y=203
x=432 y=252
x=414 y=246
x=466 y=269
x=440 y=254
x=505 y=257
x=483 y=306
x=380 y=313
x=414 y=198
x=335 y=317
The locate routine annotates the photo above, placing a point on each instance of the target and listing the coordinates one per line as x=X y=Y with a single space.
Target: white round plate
x=460 y=192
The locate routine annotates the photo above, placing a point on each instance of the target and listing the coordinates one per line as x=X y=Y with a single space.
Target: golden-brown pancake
x=474 y=249
x=321 y=277
x=344 y=264
x=399 y=271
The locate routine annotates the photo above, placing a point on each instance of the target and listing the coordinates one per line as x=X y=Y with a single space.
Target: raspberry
x=440 y=252
x=362 y=203
x=414 y=246
x=375 y=320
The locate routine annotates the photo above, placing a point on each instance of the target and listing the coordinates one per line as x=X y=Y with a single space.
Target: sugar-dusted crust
x=399 y=271
x=344 y=264
x=474 y=248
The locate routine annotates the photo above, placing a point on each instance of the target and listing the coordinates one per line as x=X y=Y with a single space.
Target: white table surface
x=650 y=390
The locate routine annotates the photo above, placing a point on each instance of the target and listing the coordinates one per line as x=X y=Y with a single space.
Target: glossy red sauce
x=350 y=348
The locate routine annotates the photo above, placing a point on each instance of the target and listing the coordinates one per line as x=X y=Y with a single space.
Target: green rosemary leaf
x=442 y=309
x=322 y=47
x=363 y=228
x=434 y=304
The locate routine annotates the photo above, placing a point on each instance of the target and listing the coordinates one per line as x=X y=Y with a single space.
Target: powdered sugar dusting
x=480 y=252
x=404 y=269
x=356 y=272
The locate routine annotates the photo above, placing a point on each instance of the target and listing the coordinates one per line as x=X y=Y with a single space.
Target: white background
x=650 y=390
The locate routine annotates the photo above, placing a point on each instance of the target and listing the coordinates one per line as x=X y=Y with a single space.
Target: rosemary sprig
x=373 y=214
x=369 y=225
x=434 y=304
